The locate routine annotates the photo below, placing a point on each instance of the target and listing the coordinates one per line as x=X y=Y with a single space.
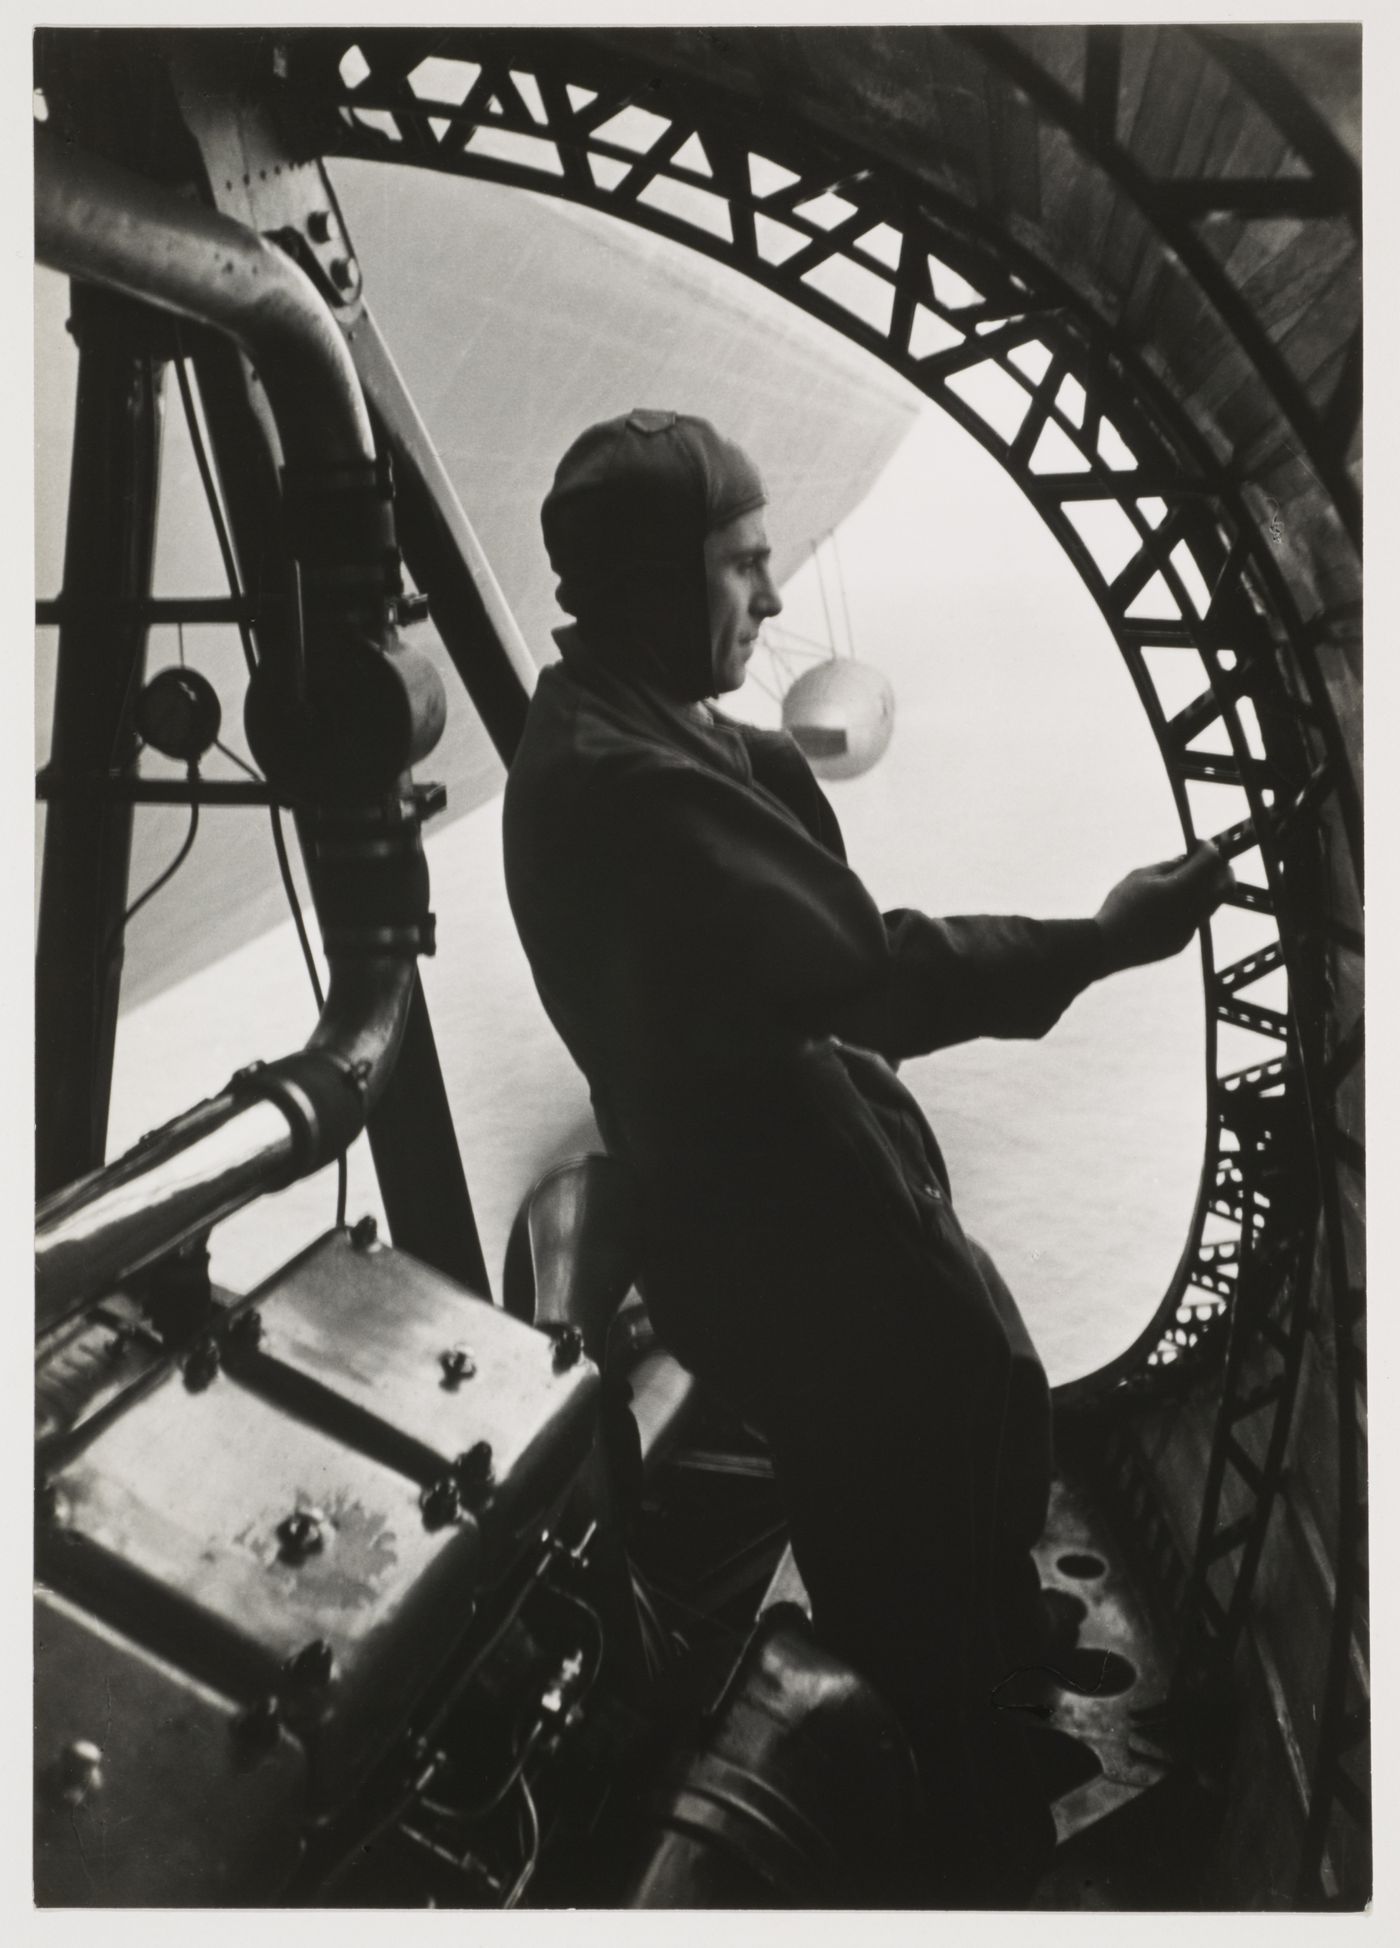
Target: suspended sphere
x=842 y=715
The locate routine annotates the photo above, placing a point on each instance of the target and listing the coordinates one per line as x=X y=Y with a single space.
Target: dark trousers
x=909 y=1420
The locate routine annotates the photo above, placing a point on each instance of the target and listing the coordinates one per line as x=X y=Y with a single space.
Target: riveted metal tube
x=96 y=221
x=273 y=1124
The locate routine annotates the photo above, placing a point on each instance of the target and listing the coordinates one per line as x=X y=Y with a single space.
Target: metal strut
x=282 y=1120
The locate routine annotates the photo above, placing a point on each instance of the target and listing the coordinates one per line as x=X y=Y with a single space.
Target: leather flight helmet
x=625 y=525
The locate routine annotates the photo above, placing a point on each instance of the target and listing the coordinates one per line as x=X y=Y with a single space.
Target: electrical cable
x=523 y=1748
x=221 y=535
x=841 y=591
x=242 y=763
x=659 y=1599
x=284 y=866
x=476 y=1810
x=821 y=587
x=109 y=945
x=399 y=1805
x=795 y=643
x=211 y=495
x=285 y=869
x=659 y=1646
x=532 y=1856
x=484 y=1650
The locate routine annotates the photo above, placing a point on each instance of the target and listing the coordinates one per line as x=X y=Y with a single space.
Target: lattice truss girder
x=1178 y=546
x=1156 y=530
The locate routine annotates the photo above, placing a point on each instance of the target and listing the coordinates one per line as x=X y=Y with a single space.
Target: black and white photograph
x=698 y=916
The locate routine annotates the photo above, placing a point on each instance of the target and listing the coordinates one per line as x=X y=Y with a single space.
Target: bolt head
x=201 y=1366
x=301 y=1534
x=313 y=1665
x=79 y=1772
x=51 y=1506
x=256 y=1728
x=474 y=1471
x=440 y=1503
x=246 y=1332
x=568 y=1349
x=457 y=1365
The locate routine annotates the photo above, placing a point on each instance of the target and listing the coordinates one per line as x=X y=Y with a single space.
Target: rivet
x=364 y=1233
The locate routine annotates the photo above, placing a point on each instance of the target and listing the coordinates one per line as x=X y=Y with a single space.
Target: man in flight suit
x=737 y=1004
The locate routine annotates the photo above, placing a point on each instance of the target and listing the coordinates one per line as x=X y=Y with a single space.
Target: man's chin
x=731 y=677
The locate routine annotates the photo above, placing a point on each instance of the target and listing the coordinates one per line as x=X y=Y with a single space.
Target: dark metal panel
x=1305 y=77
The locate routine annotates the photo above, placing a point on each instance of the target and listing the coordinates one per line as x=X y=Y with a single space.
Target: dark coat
x=712 y=962
x=737 y=1003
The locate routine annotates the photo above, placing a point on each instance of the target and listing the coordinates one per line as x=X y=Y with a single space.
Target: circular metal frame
x=1156 y=529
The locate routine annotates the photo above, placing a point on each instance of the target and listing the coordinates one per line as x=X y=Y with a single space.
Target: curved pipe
x=108 y=226
x=270 y=1126
x=281 y=1121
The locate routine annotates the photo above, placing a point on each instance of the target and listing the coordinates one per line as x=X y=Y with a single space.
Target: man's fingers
x=1217 y=870
x=1206 y=877
x=1205 y=865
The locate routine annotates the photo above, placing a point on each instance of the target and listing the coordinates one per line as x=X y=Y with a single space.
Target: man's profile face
x=741 y=595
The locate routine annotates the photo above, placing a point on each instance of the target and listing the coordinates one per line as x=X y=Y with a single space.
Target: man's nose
x=767 y=601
